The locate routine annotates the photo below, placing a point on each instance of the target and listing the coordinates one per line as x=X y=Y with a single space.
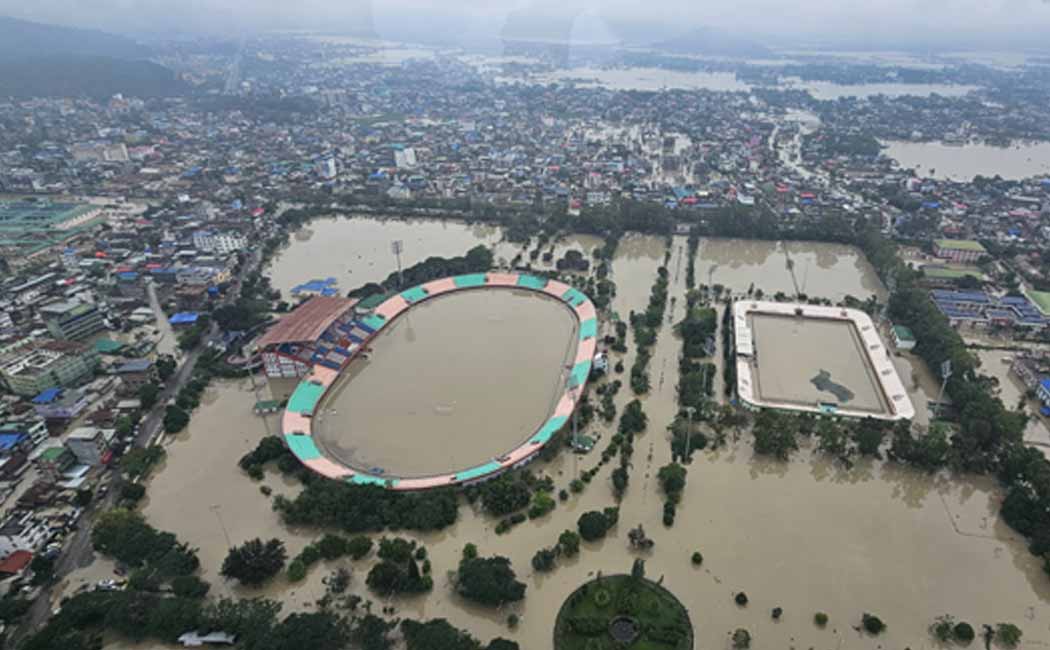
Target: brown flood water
x=453 y=383
x=822 y=270
x=807 y=535
x=791 y=352
x=356 y=250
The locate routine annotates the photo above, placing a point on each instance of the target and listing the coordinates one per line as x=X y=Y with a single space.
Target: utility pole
x=396 y=247
x=215 y=508
x=946 y=372
x=689 y=434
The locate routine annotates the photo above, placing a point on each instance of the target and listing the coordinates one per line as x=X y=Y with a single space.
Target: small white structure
x=196 y=639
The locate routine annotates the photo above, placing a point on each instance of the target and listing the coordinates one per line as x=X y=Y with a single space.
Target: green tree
x=488 y=581
x=593 y=525
x=175 y=419
x=255 y=561
x=148 y=395
x=436 y=634
x=569 y=543
x=775 y=434
x=43 y=568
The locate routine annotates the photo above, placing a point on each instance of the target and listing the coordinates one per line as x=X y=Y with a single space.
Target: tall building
x=72 y=320
x=325 y=168
x=31 y=369
x=88 y=444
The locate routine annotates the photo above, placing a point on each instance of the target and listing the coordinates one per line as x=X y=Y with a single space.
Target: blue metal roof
x=184 y=318
x=47 y=396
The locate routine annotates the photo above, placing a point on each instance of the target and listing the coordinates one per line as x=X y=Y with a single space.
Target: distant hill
x=21 y=39
x=86 y=76
x=38 y=60
x=712 y=42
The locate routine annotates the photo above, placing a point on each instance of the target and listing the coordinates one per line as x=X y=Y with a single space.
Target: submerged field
x=807 y=535
x=453 y=383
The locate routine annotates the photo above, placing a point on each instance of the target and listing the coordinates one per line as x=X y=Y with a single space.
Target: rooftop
x=961 y=245
x=308 y=321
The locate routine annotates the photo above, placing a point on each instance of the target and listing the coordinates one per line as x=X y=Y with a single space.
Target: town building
x=89 y=444
x=56 y=404
x=981 y=308
x=53 y=461
x=959 y=250
x=22 y=531
x=29 y=227
x=72 y=320
x=222 y=243
x=33 y=368
x=134 y=374
x=903 y=338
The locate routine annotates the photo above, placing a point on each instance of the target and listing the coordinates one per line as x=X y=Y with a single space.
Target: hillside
x=85 y=76
x=21 y=39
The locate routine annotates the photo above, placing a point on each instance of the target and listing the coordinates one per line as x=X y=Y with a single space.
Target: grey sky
x=939 y=20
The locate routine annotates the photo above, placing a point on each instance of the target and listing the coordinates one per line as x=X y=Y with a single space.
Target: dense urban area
x=187 y=226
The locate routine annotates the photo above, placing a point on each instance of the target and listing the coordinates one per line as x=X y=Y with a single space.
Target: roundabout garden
x=622 y=612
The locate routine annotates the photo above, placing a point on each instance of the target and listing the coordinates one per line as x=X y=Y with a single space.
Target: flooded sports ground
x=809 y=535
x=451 y=384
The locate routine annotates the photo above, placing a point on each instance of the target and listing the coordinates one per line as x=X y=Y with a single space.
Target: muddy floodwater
x=962 y=163
x=807 y=535
x=810 y=361
x=820 y=269
x=356 y=250
x=453 y=383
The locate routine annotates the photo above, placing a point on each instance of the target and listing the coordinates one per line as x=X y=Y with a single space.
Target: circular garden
x=622 y=612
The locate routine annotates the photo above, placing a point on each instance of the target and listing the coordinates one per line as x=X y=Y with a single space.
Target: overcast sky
x=1022 y=21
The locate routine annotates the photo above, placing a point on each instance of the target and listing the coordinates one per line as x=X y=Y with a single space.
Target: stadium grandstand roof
x=308 y=321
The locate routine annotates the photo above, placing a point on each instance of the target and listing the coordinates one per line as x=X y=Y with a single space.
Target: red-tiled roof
x=308 y=321
x=14 y=563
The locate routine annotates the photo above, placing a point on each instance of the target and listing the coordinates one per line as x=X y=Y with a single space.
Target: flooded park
x=484 y=360
x=807 y=535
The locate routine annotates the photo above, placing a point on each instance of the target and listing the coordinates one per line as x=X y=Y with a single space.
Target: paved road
x=77 y=551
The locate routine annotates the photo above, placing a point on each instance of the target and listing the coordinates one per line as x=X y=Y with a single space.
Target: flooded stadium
x=874 y=537
x=809 y=361
x=453 y=383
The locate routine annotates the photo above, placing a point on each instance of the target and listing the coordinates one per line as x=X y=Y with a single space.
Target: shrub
x=569 y=542
x=872 y=624
x=296 y=570
x=740 y=599
x=358 y=547
x=698 y=559
x=544 y=559
x=942 y=628
x=512 y=621
x=777 y=613
x=820 y=619
x=1007 y=635
x=741 y=639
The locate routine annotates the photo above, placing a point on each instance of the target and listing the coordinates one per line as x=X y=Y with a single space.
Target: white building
x=22 y=533
x=218 y=242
